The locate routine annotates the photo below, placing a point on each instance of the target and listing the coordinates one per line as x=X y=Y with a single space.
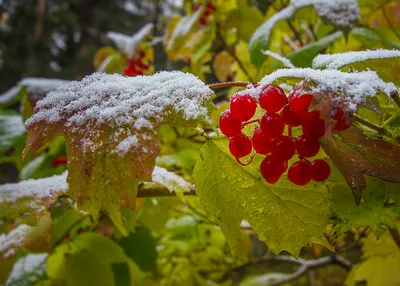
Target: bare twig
x=395 y=235
x=305 y=265
x=228 y=84
x=295 y=32
x=231 y=51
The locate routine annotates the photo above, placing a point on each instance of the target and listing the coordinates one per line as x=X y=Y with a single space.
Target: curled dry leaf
x=110 y=123
x=355 y=154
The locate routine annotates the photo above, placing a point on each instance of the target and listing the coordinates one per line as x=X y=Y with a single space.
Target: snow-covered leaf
x=12 y=130
x=30 y=270
x=10 y=242
x=110 y=123
x=343 y=14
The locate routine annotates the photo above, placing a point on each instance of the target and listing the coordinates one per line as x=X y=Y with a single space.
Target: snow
x=130 y=44
x=170 y=180
x=340 y=13
x=13 y=240
x=28 y=268
x=125 y=145
x=286 y=62
x=141 y=102
x=11 y=127
x=336 y=61
x=37 y=189
x=353 y=87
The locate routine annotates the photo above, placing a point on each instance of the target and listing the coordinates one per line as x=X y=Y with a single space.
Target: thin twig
x=395 y=235
x=228 y=84
x=295 y=32
x=305 y=265
x=232 y=53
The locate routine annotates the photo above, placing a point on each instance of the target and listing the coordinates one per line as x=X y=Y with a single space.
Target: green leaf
x=283 y=216
x=380 y=205
x=13 y=95
x=88 y=260
x=140 y=246
x=304 y=56
x=12 y=130
x=30 y=270
x=380 y=265
x=260 y=40
x=40 y=167
x=385 y=62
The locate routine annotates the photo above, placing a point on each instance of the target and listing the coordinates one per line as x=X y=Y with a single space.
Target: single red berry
x=142 y=53
x=272 y=124
x=272 y=168
x=142 y=65
x=313 y=125
x=203 y=21
x=284 y=148
x=197 y=6
x=290 y=117
x=229 y=125
x=262 y=143
x=207 y=13
x=240 y=146
x=211 y=6
x=320 y=170
x=272 y=98
x=243 y=107
x=343 y=125
x=67 y=236
x=300 y=173
x=307 y=146
x=59 y=161
x=338 y=114
x=300 y=104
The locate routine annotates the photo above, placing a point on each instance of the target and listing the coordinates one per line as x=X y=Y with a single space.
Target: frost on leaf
x=285 y=217
x=110 y=123
x=355 y=154
x=12 y=241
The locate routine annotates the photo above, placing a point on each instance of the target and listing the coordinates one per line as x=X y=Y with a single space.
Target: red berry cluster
x=268 y=139
x=136 y=67
x=210 y=8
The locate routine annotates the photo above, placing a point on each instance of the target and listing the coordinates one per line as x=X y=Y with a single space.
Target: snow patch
x=125 y=145
x=28 y=269
x=130 y=44
x=11 y=241
x=353 y=87
x=340 y=13
x=336 y=61
x=170 y=180
x=36 y=189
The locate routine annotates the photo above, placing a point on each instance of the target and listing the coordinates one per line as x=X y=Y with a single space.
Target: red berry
x=229 y=125
x=284 y=148
x=211 y=6
x=67 y=236
x=320 y=170
x=313 y=125
x=262 y=143
x=300 y=104
x=272 y=124
x=307 y=146
x=142 y=53
x=338 y=115
x=59 y=161
x=290 y=117
x=203 y=21
x=240 y=146
x=272 y=98
x=197 y=6
x=300 y=173
x=243 y=107
x=342 y=125
x=272 y=168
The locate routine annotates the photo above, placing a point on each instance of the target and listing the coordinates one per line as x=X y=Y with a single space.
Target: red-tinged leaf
x=355 y=154
x=110 y=123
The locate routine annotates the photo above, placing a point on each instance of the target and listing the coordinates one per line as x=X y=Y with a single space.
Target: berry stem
x=228 y=84
x=247 y=163
x=380 y=130
x=249 y=122
x=303 y=159
x=289 y=131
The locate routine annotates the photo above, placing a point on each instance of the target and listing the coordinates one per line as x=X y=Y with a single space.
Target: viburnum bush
x=270 y=157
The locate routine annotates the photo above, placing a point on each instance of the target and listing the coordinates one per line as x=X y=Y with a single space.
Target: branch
x=232 y=53
x=395 y=235
x=305 y=265
x=149 y=189
x=228 y=84
x=378 y=129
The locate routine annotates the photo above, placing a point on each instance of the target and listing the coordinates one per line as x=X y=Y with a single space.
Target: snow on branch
x=130 y=44
x=336 y=61
x=353 y=87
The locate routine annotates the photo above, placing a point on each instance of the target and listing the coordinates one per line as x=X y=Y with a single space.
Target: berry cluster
x=269 y=139
x=210 y=8
x=136 y=67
